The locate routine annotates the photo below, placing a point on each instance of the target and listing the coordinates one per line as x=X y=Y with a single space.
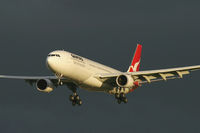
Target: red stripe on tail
x=135 y=64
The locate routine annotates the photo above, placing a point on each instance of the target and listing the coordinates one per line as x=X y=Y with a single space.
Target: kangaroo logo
x=135 y=67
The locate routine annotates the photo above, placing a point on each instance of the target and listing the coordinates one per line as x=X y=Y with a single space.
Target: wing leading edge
x=34 y=79
x=27 y=77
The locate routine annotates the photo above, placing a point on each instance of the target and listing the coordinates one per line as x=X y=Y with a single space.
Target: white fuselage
x=79 y=70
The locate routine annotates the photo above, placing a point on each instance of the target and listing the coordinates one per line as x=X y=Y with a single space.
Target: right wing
x=34 y=79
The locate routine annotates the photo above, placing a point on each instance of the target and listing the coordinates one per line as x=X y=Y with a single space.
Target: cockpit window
x=57 y=55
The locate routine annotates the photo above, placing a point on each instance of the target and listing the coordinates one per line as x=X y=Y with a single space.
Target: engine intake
x=125 y=81
x=44 y=85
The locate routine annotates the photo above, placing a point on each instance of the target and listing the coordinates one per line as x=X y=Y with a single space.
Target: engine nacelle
x=125 y=81
x=44 y=85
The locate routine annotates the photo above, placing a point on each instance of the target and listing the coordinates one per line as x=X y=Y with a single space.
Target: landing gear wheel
x=60 y=83
x=122 y=95
x=125 y=100
x=79 y=102
x=119 y=101
x=117 y=95
x=77 y=97
x=71 y=98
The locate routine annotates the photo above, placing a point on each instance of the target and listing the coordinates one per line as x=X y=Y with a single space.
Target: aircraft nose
x=49 y=62
x=52 y=60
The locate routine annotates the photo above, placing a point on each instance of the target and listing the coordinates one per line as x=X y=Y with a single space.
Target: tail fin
x=135 y=64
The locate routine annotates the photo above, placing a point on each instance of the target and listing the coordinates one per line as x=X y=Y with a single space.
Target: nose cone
x=53 y=60
x=50 y=63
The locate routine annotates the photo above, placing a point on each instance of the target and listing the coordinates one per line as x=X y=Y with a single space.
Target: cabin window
x=77 y=57
x=57 y=55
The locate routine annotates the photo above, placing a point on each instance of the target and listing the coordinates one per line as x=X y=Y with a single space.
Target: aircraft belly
x=93 y=84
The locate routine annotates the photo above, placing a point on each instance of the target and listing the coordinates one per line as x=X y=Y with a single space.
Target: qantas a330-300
x=77 y=72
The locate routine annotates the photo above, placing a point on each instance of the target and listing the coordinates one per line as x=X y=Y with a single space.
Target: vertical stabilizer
x=135 y=64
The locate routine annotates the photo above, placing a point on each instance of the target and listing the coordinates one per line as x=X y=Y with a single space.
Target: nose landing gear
x=59 y=76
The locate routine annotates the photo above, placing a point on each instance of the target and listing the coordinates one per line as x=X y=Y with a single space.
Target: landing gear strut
x=59 y=76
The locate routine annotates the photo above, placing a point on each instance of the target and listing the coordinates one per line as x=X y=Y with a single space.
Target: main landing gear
x=121 y=98
x=75 y=99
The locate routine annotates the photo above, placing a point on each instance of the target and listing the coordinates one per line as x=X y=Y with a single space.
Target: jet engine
x=44 y=85
x=125 y=81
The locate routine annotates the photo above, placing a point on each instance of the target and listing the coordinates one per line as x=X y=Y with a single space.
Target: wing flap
x=181 y=69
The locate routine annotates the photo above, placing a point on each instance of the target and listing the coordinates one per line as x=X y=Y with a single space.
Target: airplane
x=75 y=72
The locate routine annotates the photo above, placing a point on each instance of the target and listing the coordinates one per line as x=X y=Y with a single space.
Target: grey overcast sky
x=106 y=31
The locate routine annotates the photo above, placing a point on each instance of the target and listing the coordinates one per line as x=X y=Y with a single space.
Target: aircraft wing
x=154 y=75
x=27 y=77
x=33 y=79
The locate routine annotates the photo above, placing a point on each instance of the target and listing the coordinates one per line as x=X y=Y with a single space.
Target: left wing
x=154 y=75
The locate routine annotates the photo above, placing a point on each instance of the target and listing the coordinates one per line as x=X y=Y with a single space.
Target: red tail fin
x=135 y=64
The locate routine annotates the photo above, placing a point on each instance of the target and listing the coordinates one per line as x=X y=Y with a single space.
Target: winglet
x=135 y=64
